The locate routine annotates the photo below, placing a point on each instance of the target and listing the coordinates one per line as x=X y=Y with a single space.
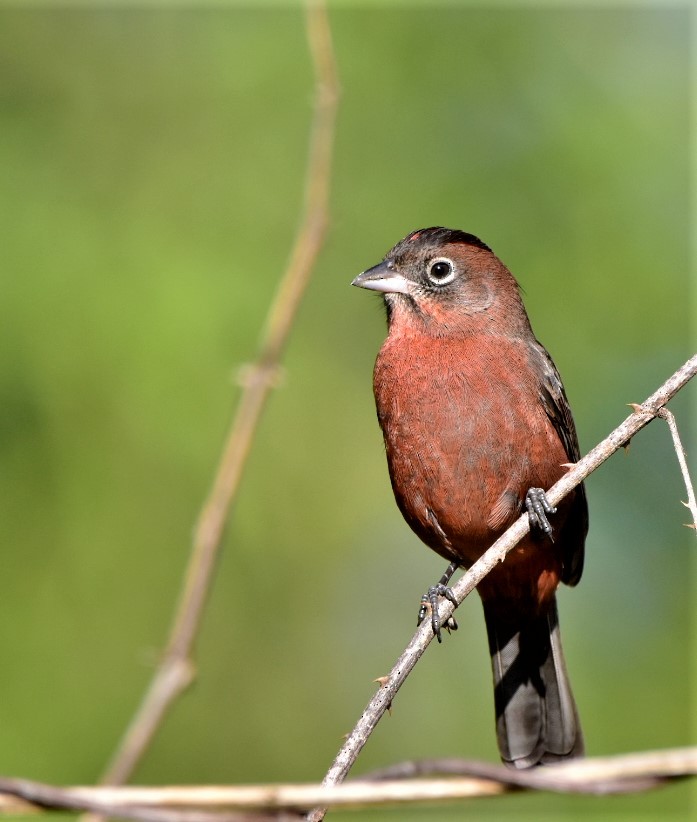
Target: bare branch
x=176 y=669
x=628 y=772
x=643 y=414
x=101 y=802
x=668 y=416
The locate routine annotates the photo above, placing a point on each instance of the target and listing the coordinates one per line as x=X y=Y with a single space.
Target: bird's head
x=447 y=281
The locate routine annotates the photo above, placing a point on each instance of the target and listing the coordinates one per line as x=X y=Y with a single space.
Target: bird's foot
x=538 y=506
x=429 y=602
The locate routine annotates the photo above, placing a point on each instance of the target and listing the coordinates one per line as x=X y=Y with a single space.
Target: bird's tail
x=536 y=717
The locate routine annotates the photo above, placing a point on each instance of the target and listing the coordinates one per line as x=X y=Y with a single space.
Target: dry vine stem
x=221 y=803
x=176 y=669
x=643 y=414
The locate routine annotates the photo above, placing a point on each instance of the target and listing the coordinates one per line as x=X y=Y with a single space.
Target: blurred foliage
x=151 y=164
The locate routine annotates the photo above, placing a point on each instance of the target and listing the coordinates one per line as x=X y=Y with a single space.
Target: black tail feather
x=536 y=717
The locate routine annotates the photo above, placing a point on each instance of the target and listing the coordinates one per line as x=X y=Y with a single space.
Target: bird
x=476 y=425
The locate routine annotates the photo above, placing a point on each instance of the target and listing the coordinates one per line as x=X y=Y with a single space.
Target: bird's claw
x=538 y=506
x=429 y=602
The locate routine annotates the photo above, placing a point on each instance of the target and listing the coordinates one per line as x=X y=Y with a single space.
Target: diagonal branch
x=176 y=670
x=643 y=414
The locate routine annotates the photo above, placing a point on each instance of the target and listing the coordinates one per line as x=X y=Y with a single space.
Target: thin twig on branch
x=691 y=504
x=643 y=414
x=602 y=775
x=176 y=669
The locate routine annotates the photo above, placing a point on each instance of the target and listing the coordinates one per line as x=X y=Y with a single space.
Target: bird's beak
x=382 y=278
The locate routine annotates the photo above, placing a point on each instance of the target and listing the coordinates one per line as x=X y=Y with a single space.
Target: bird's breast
x=465 y=434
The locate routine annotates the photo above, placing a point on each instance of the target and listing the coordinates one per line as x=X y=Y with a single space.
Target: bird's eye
x=441 y=271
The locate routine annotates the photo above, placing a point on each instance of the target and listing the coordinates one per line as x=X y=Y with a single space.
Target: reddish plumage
x=474 y=415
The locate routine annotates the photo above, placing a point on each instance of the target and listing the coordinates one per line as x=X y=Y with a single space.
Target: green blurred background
x=151 y=170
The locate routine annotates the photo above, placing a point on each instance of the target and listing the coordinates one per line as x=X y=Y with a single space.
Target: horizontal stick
x=577 y=775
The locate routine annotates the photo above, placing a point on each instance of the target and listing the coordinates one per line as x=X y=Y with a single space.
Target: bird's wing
x=557 y=408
